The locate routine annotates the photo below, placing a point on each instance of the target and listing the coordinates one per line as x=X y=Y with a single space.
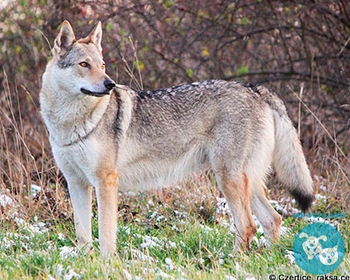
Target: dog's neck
x=71 y=118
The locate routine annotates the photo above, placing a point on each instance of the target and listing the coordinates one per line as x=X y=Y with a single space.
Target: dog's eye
x=84 y=64
x=103 y=66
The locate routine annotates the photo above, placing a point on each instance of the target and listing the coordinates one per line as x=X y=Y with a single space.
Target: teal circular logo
x=319 y=248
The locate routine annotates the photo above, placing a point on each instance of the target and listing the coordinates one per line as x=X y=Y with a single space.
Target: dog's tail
x=288 y=158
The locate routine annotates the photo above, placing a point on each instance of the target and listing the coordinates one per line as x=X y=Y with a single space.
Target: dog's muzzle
x=109 y=85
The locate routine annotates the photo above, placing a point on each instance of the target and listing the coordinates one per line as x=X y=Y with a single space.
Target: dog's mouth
x=93 y=93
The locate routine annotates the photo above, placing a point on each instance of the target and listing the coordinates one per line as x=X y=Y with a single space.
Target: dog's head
x=312 y=245
x=79 y=65
x=329 y=256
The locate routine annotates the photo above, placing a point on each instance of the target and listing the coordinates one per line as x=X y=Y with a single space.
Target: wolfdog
x=111 y=137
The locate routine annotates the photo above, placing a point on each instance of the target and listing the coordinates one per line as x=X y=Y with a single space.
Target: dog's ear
x=95 y=36
x=303 y=234
x=64 y=39
x=323 y=237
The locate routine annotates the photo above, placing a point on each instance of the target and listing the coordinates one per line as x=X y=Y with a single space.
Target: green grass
x=156 y=243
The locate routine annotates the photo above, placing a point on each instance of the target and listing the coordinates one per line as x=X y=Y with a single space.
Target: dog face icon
x=312 y=245
x=329 y=256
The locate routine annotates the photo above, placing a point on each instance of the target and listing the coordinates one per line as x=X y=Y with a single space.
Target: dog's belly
x=155 y=172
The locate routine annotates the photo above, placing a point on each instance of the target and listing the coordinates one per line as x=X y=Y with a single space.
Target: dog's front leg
x=81 y=196
x=107 y=211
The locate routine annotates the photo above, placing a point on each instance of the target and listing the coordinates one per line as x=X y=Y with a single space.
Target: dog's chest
x=80 y=160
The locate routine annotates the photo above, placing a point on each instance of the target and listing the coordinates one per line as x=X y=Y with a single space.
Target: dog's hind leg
x=237 y=194
x=81 y=196
x=267 y=216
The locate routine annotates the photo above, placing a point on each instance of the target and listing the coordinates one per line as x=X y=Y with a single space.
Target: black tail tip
x=304 y=200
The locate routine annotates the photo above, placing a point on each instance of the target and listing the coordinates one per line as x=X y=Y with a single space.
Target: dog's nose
x=109 y=84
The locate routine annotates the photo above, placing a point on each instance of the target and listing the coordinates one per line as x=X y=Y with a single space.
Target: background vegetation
x=300 y=49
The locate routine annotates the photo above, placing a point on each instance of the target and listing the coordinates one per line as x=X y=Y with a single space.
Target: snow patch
x=37 y=228
x=35 y=189
x=169 y=264
x=68 y=252
x=137 y=254
x=5 y=200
